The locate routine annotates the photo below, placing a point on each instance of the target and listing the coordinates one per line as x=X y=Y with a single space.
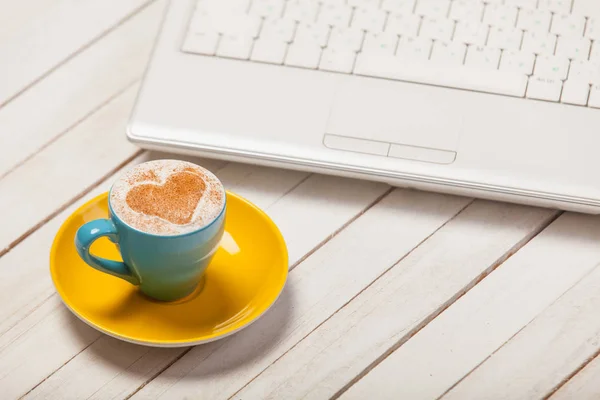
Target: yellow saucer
x=244 y=279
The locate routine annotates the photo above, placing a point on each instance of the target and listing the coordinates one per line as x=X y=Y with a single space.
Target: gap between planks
x=137 y=155
x=76 y=53
x=360 y=292
x=340 y=229
x=445 y=306
x=520 y=331
x=303 y=258
x=79 y=121
x=63 y=364
x=359 y=211
x=70 y=202
x=564 y=322
x=572 y=375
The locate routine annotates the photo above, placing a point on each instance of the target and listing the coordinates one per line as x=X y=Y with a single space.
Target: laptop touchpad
x=415 y=121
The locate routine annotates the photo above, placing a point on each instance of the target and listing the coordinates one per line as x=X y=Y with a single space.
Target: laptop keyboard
x=537 y=49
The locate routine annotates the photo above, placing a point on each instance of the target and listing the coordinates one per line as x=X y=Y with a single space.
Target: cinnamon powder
x=148 y=176
x=175 y=201
x=167 y=197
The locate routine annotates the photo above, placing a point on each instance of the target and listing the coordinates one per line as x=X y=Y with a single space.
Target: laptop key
x=544 y=88
x=531 y=20
x=589 y=8
x=368 y=19
x=437 y=28
x=592 y=29
x=235 y=46
x=568 y=25
x=337 y=60
x=201 y=43
x=398 y=6
x=488 y=81
x=575 y=92
x=594 y=96
x=278 y=29
x=448 y=53
x=586 y=71
x=304 y=54
x=505 y=38
x=403 y=24
x=553 y=67
x=471 y=32
x=517 y=61
x=466 y=10
x=269 y=50
x=433 y=8
x=345 y=38
x=314 y=33
x=335 y=15
x=482 y=57
x=302 y=10
x=489 y=46
x=384 y=42
x=414 y=48
x=555 y=6
x=539 y=43
x=501 y=16
x=267 y=8
x=573 y=48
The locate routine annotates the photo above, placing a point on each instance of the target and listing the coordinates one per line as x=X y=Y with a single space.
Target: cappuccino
x=167 y=197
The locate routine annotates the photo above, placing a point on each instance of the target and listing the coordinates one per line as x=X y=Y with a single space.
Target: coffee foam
x=153 y=176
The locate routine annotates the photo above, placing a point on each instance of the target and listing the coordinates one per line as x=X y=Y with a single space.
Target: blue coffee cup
x=165 y=267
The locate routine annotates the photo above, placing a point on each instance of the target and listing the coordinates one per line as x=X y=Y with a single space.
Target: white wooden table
x=392 y=293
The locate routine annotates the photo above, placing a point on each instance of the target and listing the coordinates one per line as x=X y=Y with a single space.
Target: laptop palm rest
x=383 y=118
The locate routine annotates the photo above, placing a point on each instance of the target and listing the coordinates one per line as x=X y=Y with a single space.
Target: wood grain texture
x=291 y=217
x=110 y=379
x=544 y=353
x=480 y=322
x=66 y=167
x=358 y=195
x=50 y=38
x=583 y=386
x=24 y=289
x=374 y=295
x=82 y=85
x=34 y=324
x=265 y=186
x=316 y=289
x=25 y=355
x=401 y=301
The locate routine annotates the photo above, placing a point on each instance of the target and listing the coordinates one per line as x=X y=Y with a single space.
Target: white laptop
x=489 y=98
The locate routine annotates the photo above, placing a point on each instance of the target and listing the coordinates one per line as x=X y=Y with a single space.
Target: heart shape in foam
x=174 y=201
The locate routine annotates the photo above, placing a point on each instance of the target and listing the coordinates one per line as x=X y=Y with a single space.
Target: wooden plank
x=19 y=320
x=82 y=157
x=20 y=365
x=84 y=376
x=480 y=322
x=25 y=288
x=31 y=303
x=49 y=39
x=78 y=88
x=543 y=354
x=400 y=302
x=15 y=14
x=583 y=386
x=330 y=202
x=263 y=185
x=316 y=289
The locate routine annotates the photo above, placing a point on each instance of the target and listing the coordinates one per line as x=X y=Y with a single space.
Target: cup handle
x=87 y=234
